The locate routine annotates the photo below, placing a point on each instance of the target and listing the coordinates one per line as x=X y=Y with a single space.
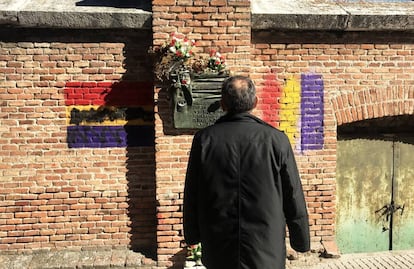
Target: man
x=242 y=187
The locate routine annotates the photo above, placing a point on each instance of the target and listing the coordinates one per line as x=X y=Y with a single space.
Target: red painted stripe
x=123 y=93
x=269 y=99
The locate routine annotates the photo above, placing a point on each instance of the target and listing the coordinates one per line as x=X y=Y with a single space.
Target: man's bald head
x=238 y=95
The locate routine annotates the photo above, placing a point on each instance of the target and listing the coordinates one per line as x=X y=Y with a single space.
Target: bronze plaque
x=196 y=100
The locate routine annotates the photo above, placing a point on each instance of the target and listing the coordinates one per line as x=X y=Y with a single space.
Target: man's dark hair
x=238 y=94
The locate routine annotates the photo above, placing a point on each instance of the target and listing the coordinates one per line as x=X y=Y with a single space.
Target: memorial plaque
x=196 y=100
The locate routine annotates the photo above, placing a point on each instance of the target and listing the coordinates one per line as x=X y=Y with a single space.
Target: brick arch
x=373 y=103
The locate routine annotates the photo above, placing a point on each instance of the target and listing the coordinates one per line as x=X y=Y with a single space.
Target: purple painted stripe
x=312 y=111
x=110 y=136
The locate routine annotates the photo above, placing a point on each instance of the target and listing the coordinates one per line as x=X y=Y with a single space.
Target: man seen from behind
x=242 y=188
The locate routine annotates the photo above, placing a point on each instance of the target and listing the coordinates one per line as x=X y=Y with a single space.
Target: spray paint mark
x=312 y=112
x=105 y=114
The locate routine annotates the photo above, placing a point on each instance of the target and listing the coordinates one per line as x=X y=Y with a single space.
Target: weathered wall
x=72 y=176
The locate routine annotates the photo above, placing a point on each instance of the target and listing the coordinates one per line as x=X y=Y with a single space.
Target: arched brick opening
x=373 y=103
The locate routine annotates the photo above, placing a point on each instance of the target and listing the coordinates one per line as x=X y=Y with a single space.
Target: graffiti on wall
x=296 y=108
x=107 y=114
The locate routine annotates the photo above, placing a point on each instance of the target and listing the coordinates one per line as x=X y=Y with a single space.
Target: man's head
x=238 y=95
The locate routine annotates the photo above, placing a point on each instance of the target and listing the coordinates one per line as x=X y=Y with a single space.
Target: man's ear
x=255 y=102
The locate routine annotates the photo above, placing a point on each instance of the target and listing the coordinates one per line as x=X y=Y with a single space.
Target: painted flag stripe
x=312 y=112
x=289 y=109
x=110 y=136
x=123 y=93
x=109 y=115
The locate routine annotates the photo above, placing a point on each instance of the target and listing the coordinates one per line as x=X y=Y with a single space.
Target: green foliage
x=194 y=254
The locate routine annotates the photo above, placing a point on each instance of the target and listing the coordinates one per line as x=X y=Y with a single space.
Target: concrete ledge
x=299 y=22
x=332 y=15
x=326 y=15
x=86 y=14
x=83 y=20
x=380 y=16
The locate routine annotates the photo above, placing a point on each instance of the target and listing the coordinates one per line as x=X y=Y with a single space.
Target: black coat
x=242 y=188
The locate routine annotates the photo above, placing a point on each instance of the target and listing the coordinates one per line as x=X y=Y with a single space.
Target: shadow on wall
x=140 y=162
x=123 y=103
x=389 y=128
x=135 y=101
x=178 y=259
x=138 y=4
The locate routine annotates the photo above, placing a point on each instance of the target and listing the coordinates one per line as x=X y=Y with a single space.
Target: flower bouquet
x=172 y=56
x=216 y=61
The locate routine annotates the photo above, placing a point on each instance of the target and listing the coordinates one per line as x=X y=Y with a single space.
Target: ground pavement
x=108 y=259
x=378 y=260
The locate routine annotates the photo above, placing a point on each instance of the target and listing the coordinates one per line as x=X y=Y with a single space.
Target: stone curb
x=70 y=259
x=109 y=259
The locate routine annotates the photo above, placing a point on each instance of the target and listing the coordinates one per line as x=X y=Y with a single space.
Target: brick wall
x=76 y=143
x=79 y=166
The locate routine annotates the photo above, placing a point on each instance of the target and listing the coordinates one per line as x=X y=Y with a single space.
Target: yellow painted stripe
x=290 y=109
x=107 y=122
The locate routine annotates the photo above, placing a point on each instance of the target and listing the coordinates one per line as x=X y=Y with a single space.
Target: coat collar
x=245 y=116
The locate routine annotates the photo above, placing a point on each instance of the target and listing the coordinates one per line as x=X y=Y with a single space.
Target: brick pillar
x=213 y=24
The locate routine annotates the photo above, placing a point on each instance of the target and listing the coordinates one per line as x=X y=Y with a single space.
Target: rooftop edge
x=266 y=15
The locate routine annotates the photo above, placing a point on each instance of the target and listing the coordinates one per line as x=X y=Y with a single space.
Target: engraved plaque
x=196 y=100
